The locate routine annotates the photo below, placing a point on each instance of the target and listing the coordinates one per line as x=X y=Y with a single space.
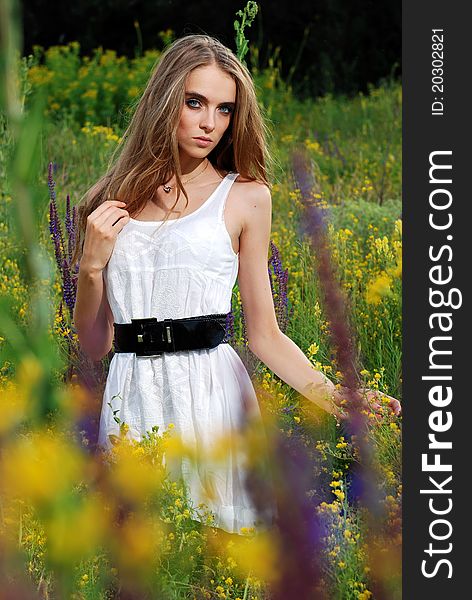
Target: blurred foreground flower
x=40 y=466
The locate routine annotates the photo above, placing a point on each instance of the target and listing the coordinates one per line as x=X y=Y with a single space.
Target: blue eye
x=227 y=110
x=192 y=100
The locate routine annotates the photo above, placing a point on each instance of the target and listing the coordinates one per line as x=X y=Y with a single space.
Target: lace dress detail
x=182 y=268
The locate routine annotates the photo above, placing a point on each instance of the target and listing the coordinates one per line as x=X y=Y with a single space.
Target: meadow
x=72 y=528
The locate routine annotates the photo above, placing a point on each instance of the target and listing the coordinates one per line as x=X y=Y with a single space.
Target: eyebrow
x=202 y=97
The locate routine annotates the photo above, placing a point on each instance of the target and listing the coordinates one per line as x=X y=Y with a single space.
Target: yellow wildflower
x=378 y=288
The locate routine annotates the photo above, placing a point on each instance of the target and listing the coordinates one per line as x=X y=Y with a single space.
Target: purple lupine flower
x=69 y=229
x=278 y=281
x=287 y=409
x=275 y=258
x=74 y=218
x=68 y=220
x=69 y=291
x=281 y=295
x=54 y=227
x=315 y=226
x=298 y=521
x=69 y=283
x=298 y=524
x=243 y=323
x=54 y=224
x=73 y=241
x=278 y=480
x=229 y=326
x=271 y=282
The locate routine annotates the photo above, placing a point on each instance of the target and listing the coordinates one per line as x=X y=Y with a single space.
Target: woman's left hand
x=374 y=398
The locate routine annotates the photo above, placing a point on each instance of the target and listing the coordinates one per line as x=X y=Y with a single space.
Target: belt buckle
x=143 y=329
x=168 y=333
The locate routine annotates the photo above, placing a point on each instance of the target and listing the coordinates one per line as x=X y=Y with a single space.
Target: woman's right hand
x=103 y=226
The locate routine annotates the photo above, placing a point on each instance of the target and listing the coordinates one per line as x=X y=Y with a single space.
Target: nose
x=208 y=121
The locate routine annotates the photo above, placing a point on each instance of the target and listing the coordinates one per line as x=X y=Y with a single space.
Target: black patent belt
x=150 y=337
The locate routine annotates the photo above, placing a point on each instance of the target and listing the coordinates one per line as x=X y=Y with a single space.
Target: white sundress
x=188 y=268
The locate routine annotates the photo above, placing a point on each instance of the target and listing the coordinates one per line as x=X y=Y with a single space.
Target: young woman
x=152 y=258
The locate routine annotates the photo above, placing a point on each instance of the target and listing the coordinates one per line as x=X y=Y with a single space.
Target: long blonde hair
x=148 y=155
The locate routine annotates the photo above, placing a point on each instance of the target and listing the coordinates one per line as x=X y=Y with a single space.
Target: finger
x=120 y=222
x=105 y=206
x=396 y=407
x=111 y=216
x=391 y=398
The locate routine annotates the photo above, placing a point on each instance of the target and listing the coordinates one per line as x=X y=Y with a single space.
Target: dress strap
x=229 y=180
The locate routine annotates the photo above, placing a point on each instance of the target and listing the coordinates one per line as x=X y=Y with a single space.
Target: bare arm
x=92 y=315
x=266 y=340
x=269 y=344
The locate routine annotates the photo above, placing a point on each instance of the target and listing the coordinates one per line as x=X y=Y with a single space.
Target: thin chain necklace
x=168 y=188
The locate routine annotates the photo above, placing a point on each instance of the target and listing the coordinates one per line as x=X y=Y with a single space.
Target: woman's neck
x=190 y=165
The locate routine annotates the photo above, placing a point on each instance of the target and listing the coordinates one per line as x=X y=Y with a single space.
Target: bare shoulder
x=253 y=198
x=251 y=187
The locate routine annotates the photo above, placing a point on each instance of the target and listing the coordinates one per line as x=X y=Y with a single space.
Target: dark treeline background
x=348 y=43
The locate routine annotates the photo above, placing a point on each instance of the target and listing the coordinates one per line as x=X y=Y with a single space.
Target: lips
x=203 y=138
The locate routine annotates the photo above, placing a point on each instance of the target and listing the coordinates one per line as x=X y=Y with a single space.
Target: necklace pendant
x=167 y=188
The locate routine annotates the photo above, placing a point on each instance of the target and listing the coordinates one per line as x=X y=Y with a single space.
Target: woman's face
x=210 y=96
